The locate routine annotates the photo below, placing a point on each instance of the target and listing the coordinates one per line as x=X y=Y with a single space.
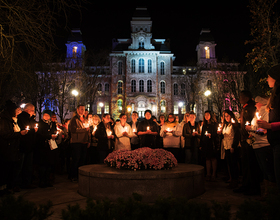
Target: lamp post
x=207 y=93
x=75 y=93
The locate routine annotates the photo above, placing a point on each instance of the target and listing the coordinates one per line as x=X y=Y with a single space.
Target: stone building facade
x=141 y=74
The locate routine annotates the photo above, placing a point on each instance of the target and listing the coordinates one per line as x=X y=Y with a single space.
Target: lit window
x=74 y=51
x=119 y=103
x=106 y=108
x=141 y=65
x=176 y=109
x=183 y=109
x=141 y=86
x=207 y=52
x=120 y=84
x=88 y=107
x=133 y=66
x=162 y=106
x=149 y=66
x=175 y=89
x=162 y=87
x=149 y=86
x=162 y=68
x=119 y=68
x=133 y=86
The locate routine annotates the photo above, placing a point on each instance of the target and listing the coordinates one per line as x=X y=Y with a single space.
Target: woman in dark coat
x=208 y=144
x=46 y=132
x=10 y=155
x=105 y=135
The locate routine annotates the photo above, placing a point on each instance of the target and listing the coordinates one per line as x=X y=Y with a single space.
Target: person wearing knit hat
x=274 y=72
x=273 y=106
x=49 y=112
x=147 y=131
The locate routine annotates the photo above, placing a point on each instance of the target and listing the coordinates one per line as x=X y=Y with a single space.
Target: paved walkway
x=65 y=192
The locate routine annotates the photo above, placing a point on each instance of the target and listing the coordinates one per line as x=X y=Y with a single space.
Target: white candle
x=247 y=123
x=220 y=127
x=36 y=125
x=148 y=128
x=109 y=133
x=27 y=128
x=95 y=128
x=232 y=120
x=57 y=132
x=134 y=130
x=193 y=130
x=258 y=115
x=206 y=133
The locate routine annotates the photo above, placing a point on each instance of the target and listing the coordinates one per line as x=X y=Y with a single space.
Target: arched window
x=207 y=52
x=149 y=66
x=175 y=89
x=74 y=51
x=133 y=66
x=119 y=103
x=141 y=45
x=162 y=106
x=107 y=87
x=183 y=89
x=149 y=86
x=99 y=87
x=162 y=68
x=119 y=68
x=209 y=84
x=141 y=85
x=162 y=87
x=133 y=86
x=141 y=65
x=120 y=85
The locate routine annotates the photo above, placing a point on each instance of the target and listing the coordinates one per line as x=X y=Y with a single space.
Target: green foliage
x=13 y=208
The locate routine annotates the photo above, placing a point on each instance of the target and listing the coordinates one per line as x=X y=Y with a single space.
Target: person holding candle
x=26 y=120
x=191 y=134
x=171 y=132
x=123 y=133
x=135 y=142
x=249 y=164
x=209 y=145
x=105 y=135
x=183 y=122
x=272 y=126
x=261 y=146
x=147 y=131
x=10 y=155
x=46 y=161
x=92 y=155
x=80 y=138
x=230 y=140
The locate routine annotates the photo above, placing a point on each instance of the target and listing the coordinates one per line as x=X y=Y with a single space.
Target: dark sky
x=180 y=22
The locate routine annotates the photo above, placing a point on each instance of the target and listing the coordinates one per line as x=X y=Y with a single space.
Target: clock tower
x=141 y=27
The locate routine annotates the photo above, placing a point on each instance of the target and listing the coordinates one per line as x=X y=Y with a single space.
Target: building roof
x=76 y=35
x=206 y=36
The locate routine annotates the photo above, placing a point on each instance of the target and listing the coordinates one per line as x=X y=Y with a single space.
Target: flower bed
x=140 y=159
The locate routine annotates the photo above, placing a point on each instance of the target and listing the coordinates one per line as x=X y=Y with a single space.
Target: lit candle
x=27 y=128
x=193 y=130
x=86 y=125
x=206 y=133
x=95 y=128
x=247 y=123
x=168 y=129
x=148 y=128
x=232 y=120
x=109 y=133
x=258 y=115
x=220 y=127
x=134 y=130
x=57 y=133
x=36 y=125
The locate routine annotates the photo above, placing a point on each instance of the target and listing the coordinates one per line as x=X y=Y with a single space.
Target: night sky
x=180 y=22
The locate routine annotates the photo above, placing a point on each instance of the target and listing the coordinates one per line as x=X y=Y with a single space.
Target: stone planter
x=100 y=181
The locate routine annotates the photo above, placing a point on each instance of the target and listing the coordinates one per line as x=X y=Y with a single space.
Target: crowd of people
x=249 y=144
